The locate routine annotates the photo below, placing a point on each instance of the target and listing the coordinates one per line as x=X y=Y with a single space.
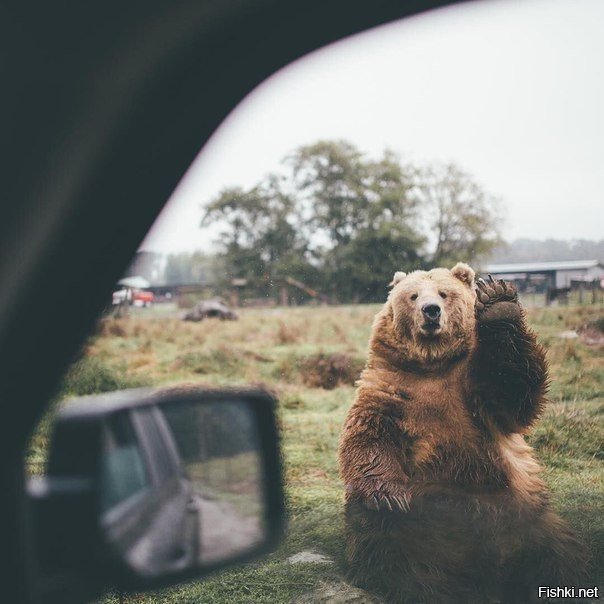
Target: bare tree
x=462 y=218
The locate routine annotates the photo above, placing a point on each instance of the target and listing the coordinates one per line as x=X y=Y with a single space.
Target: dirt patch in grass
x=337 y=592
x=330 y=370
x=322 y=370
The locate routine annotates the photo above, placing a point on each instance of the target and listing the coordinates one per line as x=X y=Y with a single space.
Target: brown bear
x=444 y=502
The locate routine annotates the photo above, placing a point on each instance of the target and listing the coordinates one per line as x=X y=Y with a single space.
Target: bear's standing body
x=444 y=502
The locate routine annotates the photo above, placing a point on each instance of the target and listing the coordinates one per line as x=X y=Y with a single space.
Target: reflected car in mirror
x=171 y=484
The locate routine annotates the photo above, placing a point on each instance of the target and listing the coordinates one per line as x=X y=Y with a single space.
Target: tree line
x=342 y=222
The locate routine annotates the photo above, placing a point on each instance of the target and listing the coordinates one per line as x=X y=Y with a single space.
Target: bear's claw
x=492 y=292
x=381 y=496
x=388 y=502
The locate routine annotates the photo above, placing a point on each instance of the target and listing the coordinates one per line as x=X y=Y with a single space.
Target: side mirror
x=146 y=489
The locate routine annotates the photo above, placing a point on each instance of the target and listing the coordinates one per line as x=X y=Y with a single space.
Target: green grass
x=281 y=348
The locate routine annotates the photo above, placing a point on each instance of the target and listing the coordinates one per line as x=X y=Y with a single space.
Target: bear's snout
x=431 y=312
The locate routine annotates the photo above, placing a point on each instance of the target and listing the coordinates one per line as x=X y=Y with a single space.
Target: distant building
x=550 y=274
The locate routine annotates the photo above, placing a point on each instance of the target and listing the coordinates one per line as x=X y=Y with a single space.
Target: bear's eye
x=442 y=295
x=414 y=296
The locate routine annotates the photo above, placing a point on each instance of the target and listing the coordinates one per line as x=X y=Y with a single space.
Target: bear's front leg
x=509 y=365
x=372 y=459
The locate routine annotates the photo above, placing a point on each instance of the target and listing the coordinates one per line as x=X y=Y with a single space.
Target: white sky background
x=512 y=91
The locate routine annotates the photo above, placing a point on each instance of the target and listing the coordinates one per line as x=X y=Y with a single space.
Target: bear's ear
x=464 y=273
x=398 y=276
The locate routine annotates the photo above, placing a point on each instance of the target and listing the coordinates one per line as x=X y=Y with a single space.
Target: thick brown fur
x=444 y=502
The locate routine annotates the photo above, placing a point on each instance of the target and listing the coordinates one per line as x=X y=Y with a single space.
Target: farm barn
x=555 y=279
x=555 y=274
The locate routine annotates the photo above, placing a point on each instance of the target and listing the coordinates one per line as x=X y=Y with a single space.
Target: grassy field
x=310 y=357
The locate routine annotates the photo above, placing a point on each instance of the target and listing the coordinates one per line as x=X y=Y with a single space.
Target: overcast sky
x=512 y=91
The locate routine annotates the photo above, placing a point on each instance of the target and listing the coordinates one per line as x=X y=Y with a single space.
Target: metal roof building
x=559 y=274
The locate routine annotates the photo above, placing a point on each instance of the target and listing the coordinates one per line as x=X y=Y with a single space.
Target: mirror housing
x=103 y=518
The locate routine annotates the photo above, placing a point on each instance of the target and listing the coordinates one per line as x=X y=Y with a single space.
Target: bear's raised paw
x=496 y=300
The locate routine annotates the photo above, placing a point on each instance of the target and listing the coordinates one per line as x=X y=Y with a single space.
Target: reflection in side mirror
x=181 y=485
x=169 y=485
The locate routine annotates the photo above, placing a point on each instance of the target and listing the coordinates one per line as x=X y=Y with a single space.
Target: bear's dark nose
x=431 y=311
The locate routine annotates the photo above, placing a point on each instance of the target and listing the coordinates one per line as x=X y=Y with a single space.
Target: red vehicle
x=136 y=297
x=142 y=298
